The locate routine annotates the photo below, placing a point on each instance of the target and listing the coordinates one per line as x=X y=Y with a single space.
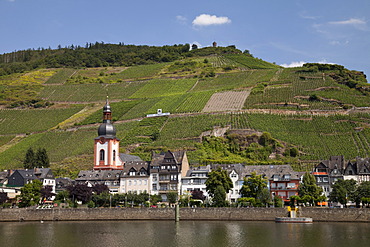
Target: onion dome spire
x=107 y=113
x=106 y=128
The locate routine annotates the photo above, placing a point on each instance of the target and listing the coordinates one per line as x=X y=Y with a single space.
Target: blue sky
x=287 y=32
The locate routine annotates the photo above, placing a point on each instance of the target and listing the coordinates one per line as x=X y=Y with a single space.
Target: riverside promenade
x=220 y=214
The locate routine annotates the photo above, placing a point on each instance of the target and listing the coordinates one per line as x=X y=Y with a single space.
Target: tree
x=217 y=178
x=265 y=139
x=30 y=194
x=154 y=199
x=253 y=186
x=278 y=202
x=308 y=187
x=197 y=195
x=102 y=199
x=62 y=196
x=219 y=197
x=38 y=159
x=3 y=197
x=172 y=197
x=343 y=191
x=100 y=188
x=79 y=192
x=29 y=159
x=41 y=158
x=362 y=193
x=46 y=193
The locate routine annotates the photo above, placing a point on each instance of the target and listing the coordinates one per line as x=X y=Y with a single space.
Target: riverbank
x=221 y=214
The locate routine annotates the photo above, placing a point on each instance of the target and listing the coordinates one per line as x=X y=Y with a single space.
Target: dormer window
x=132 y=172
x=142 y=172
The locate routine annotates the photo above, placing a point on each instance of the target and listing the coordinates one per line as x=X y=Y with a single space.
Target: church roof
x=107 y=130
x=129 y=158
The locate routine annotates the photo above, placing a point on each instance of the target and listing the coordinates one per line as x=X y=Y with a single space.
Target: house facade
x=135 y=177
x=195 y=180
x=166 y=171
x=21 y=177
x=110 y=178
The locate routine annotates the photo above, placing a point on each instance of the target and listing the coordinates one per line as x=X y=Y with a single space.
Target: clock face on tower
x=102 y=140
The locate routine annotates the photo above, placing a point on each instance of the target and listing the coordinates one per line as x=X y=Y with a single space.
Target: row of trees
x=99 y=55
x=348 y=190
x=254 y=191
x=39 y=159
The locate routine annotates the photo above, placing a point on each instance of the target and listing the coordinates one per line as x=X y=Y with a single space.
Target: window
x=114 y=155
x=132 y=172
x=142 y=172
x=154 y=186
x=102 y=155
x=325 y=179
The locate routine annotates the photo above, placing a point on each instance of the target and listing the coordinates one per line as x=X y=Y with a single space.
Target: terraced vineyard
x=28 y=121
x=226 y=101
x=305 y=108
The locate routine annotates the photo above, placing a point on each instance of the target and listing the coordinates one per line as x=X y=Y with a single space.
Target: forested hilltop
x=225 y=105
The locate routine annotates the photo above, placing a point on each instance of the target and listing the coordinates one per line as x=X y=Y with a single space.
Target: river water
x=183 y=233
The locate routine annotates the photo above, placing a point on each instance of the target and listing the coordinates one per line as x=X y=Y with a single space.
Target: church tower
x=106 y=149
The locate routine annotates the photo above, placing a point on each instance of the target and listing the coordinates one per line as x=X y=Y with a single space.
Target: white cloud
x=300 y=63
x=352 y=21
x=181 y=19
x=293 y=64
x=310 y=17
x=206 y=20
x=337 y=42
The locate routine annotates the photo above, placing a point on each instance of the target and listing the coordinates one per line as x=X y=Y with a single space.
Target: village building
x=327 y=172
x=321 y=173
x=20 y=177
x=363 y=169
x=281 y=181
x=166 y=171
x=62 y=184
x=110 y=178
x=195 y=180
x=135 y=177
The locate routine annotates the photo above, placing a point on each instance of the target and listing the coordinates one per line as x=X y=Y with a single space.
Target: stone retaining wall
x=249 y=214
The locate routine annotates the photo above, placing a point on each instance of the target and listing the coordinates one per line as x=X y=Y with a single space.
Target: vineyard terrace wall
x=221 y=214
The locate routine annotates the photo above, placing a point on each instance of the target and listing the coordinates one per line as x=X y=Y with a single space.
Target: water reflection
x=183 y=233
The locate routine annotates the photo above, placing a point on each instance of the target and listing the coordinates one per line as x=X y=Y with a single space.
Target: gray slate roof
x=129 y=158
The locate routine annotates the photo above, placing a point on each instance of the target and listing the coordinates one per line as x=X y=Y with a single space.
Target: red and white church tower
x=106 y=149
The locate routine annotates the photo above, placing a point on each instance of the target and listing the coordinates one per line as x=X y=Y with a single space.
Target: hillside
x=320 y=110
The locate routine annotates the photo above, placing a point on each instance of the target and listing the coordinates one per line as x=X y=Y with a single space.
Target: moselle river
x=183 y=233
